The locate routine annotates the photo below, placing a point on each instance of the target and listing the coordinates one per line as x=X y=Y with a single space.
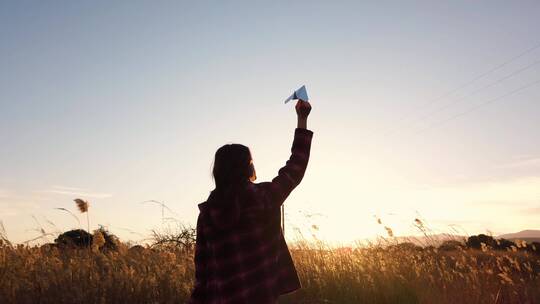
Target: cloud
x=8 y=213
x=67 y=188
x=12 y=204
x=525 y=162
x=4 y=193
x=534 y=211
x=525 y=190
x=76 y=192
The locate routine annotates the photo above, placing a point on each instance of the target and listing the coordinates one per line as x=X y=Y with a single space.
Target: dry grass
x=394 y=274
x=402 y=274
x=50 y=275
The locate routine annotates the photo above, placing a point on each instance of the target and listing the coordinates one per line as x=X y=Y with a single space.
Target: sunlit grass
x=374 y=274
x=409 y=274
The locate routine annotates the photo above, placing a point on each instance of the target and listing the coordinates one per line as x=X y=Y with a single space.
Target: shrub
x=76 y=238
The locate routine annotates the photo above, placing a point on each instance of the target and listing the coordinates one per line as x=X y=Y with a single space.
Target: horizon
x=426 y=110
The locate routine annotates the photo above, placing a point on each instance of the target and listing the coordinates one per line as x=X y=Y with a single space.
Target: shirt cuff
x=303 y=132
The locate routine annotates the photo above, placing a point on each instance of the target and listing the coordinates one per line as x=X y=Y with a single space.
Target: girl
x=241 y=255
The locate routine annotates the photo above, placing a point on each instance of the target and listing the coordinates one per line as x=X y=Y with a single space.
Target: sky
x=421 y=109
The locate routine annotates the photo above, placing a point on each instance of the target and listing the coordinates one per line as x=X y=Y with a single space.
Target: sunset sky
x=421 y=109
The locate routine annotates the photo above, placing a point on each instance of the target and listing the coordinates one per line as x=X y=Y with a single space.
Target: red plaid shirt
x=241 y=255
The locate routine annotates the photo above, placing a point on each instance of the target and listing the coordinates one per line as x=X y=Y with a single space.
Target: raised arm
x=292 y=173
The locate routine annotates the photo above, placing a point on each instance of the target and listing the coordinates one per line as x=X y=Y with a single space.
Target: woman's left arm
x=200 y=291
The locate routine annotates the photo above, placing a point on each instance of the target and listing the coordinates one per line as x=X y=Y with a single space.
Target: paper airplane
x=299 y=94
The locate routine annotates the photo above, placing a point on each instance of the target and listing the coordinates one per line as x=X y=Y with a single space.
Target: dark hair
x=233 y=167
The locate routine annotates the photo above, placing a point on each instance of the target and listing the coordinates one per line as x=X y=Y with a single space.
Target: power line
x=478 y=106
x=464 y=85
x=482 y=75
x=449 y=104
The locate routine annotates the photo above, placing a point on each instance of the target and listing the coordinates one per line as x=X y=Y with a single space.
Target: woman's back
x=241 y=255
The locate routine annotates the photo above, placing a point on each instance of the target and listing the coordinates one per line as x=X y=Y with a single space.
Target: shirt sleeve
x=292 y=173
x=201 y=265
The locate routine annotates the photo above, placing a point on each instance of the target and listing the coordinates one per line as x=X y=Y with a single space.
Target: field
x=375 y=274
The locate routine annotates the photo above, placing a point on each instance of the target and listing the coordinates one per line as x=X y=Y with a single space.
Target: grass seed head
x=82 y=205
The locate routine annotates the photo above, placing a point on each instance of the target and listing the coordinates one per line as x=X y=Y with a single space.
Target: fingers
x=303 y=108
x=299 y=104
x=302 y=103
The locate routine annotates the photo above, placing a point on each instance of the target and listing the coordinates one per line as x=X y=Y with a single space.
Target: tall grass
x=409 y=274
x=375 y=274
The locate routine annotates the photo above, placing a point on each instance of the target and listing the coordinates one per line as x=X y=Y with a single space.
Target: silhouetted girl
x=241 y=255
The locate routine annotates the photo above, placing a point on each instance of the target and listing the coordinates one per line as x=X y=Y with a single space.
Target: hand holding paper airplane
x=303 y=108
x=300 y=94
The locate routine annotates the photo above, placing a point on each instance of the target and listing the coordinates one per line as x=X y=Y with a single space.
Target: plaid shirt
x=241 y=255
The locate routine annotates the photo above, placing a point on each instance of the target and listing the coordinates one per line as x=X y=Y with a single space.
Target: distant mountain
x=526 y=235
x=434 y=239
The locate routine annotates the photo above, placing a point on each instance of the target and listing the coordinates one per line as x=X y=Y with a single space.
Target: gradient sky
x=123 y=102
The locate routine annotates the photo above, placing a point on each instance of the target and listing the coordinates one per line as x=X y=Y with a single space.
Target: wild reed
x=402 y=273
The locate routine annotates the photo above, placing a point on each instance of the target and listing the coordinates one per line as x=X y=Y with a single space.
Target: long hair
x=233 y=168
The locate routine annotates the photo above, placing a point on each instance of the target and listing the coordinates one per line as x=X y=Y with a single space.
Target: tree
x=76 y=238
x=451 y=245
